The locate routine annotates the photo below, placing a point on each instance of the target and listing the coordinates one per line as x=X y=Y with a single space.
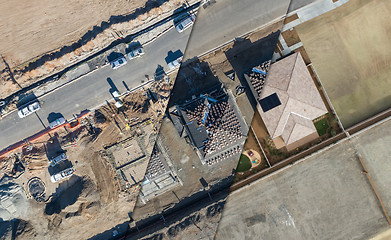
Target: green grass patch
x=322 y=126
x=244 y=164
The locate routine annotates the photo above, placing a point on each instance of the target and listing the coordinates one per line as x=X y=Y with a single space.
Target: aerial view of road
x=93 y=89
x=228 y=19
x=251 y=137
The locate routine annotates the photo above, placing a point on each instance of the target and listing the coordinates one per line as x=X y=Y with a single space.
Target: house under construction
x=213 y=124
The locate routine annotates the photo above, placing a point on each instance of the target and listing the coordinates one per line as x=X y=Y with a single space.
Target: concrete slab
x=323 y=197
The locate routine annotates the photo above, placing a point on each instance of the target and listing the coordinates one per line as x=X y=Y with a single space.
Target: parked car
x=62 y=175
x=29 y=109
x=58 y=159
x=138 y=52
x=118 y=104
x=119 y=62
x=58 y=122
x=250 y=153
x=185 y=23
x=116 y=94
x=176 y=63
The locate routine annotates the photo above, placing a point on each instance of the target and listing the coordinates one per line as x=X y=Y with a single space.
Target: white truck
x=185 y=23
x=175 y=64
x=62 y=175
x=138 y=52
x=29 y=109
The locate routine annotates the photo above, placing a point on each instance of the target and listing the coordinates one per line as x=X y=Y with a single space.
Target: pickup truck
x=185 y=23
x=58 y=159
x=29 y=109
x=62 y=175
x=138 y=52
x=119 y=62
x=175 y=64
x=58 y=122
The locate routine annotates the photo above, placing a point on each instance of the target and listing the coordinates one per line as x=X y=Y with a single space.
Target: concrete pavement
x=323 y=197
x=93 y=89
x=297 y=4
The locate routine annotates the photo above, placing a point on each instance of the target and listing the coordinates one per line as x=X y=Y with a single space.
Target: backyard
x=349 y=59
x=244 y=163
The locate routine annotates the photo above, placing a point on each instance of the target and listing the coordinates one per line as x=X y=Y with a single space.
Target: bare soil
x=42 y=38
x=350 y=50
x=290 y=36
x=31 y=28
x=91 y=202
x=291 y=18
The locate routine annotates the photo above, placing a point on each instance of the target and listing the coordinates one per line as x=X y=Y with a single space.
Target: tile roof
x=300 y=100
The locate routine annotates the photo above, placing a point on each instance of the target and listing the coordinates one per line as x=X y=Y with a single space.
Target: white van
x=185 y=23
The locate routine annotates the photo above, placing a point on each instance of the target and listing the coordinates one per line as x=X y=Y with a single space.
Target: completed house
x=289 y=103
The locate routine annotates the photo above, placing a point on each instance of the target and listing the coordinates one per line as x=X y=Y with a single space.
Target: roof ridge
x=279 y=119
x=300 y=116
x=290 y=76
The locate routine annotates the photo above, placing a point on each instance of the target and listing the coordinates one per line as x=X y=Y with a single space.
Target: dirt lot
x=189 y=169
x=41 y=38
x=350 y=50
x=31 y=28
x=92 y=202
x=198 y=223
x=90 y=196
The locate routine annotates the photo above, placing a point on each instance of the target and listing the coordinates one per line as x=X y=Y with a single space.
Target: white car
x=29 y=109
x=185 y=23
x=119 y=62
x=176 y=63
x=58 y=122
x=62 y=175
x=136 y=53
x=58 y=159
x=118 y=104
x=116 y=94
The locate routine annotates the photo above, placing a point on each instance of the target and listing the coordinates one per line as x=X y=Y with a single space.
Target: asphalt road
x=93 y=89
x=297 y=4
x=215 y=25
x=226 y=19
